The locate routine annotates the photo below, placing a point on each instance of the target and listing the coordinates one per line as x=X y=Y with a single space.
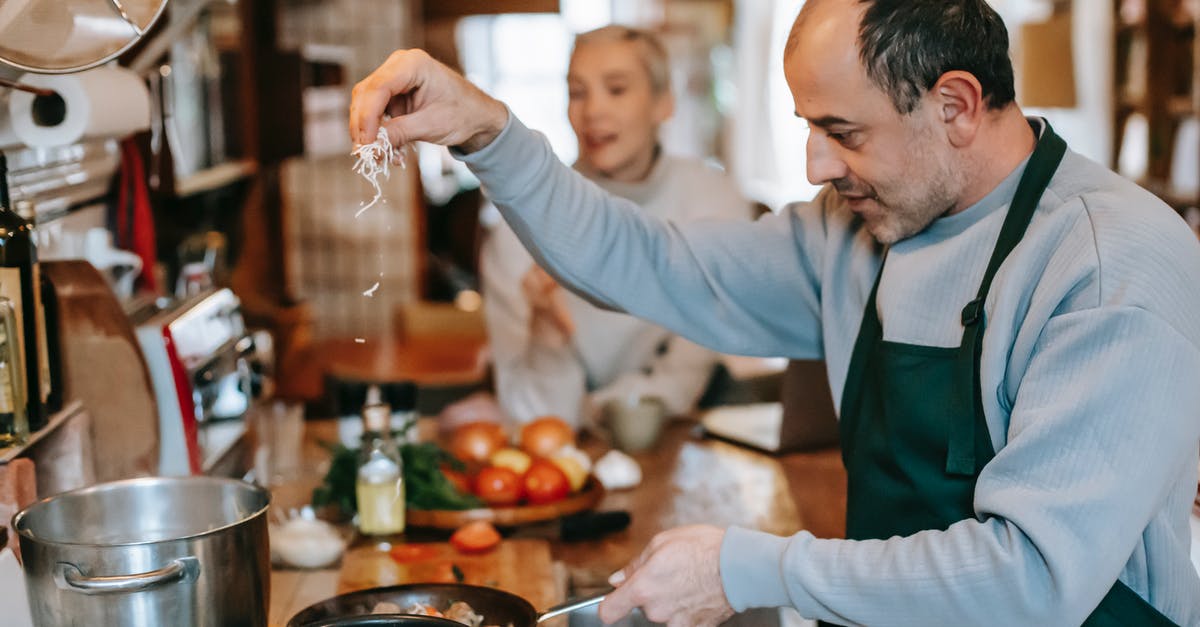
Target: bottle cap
x=377 y=417
x=374 y=395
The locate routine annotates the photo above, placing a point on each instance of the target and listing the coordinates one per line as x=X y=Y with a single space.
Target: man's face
x=897 y=172
x=613 y=109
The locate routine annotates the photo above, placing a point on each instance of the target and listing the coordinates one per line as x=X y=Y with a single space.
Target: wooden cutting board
x=521 y=566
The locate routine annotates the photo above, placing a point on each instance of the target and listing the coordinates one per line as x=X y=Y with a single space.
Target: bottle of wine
x=49 y=365
x=19 y=283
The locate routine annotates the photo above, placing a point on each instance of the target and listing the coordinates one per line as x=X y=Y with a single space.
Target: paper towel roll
x=8 y=138
x=104 y=102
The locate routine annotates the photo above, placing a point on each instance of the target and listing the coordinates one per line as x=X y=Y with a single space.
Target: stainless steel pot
x=178 y=551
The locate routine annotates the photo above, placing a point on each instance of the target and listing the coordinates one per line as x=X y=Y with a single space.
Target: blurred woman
x=553 y=352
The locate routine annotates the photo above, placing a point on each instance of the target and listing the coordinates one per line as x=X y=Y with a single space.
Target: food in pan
x=459 y=612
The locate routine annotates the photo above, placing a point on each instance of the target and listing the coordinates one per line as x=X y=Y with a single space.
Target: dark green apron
x=913 y=432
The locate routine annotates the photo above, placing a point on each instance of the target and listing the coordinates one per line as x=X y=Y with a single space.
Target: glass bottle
x=379 y=487
x=49 y=367
x=14 y=424
x=19 y=280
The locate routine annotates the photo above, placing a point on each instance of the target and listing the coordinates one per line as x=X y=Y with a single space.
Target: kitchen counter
x=688 y=480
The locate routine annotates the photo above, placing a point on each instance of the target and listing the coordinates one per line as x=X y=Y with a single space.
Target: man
x=1018 y=379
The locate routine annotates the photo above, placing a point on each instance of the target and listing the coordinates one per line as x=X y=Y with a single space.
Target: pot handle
x=568 y=607
x=69 y=576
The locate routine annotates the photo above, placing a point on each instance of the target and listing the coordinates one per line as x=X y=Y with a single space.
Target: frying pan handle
x=568 y=607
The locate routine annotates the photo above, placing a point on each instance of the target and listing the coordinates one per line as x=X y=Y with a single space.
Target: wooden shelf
x=1181 y=106
x=1169 y=95
x=13 y=452
x=215 y=177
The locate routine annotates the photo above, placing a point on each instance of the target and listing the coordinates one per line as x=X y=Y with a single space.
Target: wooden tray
x=585 y=499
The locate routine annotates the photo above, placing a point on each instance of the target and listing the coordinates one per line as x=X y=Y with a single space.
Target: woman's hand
x=427 y=101
x=545 y=298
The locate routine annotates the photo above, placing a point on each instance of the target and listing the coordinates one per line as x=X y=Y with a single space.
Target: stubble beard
x=909 y=211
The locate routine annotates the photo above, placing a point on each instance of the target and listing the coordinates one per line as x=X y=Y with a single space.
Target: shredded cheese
x=375 y=160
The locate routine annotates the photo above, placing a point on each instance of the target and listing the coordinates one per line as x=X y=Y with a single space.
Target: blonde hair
x=650 y=50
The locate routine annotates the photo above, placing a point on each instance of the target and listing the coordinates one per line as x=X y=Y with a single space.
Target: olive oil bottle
x=379 y=488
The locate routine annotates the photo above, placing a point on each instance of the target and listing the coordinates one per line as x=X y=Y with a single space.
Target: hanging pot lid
x=62 y=36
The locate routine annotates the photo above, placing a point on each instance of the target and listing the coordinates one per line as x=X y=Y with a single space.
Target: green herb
x=425 y=486
x=339 y=485
x=458 y=573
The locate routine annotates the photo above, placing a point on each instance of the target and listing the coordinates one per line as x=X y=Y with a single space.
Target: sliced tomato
x=408 y=553
x=475 y=537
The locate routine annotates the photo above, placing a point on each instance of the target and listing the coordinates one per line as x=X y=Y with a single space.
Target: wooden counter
x=688 y=480
x=691 y=480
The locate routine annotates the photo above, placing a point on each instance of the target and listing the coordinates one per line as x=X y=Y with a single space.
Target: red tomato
x=476 y=536
x=459 y=480
x=498 y=486
x=545 y=482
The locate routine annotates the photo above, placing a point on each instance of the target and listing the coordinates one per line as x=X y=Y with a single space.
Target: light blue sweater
x=1090 y=374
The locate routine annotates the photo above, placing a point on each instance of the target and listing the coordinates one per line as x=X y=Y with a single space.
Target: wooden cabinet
x=1157 y=84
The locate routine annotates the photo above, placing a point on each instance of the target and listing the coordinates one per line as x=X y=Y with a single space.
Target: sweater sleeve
x=1059 y=510
x=699 y=279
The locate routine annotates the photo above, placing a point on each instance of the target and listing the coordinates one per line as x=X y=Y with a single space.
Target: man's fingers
x=366 y=110
x=617 y=604
x=400 y=130
x=371 y=98
x=622 y=576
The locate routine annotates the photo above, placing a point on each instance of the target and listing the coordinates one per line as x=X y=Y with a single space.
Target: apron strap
x=961 y=458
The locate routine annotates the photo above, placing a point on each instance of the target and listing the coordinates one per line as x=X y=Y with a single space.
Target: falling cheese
x=375 y=160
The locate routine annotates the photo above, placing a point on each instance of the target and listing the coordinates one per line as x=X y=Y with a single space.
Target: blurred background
x=244 y=167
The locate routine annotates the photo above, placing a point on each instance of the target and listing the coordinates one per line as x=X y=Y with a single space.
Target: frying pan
x=497 y=607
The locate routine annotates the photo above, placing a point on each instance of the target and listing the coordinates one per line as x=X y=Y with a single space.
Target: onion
x=546 y=435
x=476 y=441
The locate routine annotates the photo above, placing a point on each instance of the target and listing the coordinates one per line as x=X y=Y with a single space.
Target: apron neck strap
x=1042 y=165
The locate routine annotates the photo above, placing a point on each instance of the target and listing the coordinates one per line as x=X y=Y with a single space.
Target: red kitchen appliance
x=196 y=351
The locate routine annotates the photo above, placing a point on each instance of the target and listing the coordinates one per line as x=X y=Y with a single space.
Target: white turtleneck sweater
x=611 y=356
x=1090 y=372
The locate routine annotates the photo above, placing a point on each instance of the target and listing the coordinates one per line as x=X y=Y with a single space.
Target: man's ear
x=958 y=97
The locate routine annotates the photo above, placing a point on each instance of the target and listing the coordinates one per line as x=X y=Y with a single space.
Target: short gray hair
x=650 y=50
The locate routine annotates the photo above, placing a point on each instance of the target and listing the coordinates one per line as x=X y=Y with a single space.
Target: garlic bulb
x=617 y=471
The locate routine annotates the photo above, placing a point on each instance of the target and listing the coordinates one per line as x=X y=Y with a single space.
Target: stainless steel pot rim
x=93 y=63
x=18 y=518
